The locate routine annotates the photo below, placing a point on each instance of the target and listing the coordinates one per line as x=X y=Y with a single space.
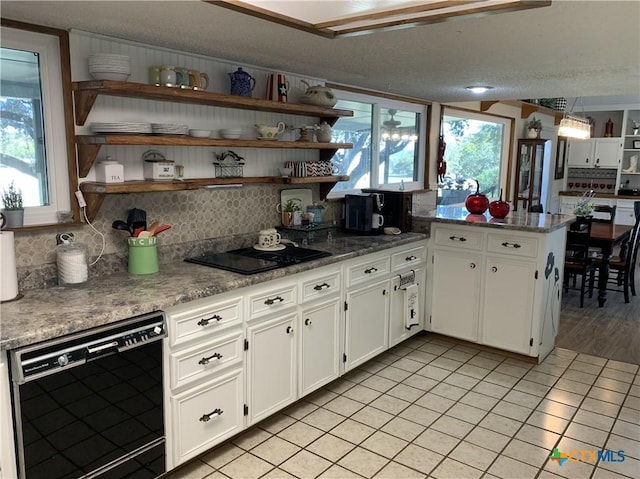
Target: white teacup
x=377 y=220
x=269 y=237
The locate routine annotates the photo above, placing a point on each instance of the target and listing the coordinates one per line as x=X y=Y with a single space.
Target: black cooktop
x=250 y=260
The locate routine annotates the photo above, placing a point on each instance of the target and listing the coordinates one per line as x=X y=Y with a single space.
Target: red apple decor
x=499 y=208
x=477 y=203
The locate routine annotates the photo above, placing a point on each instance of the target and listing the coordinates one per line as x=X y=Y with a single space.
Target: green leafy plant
x=291 y=205
x=12 y=197
x=534 y=124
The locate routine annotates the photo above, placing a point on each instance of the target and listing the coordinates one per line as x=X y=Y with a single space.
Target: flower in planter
x=12 y=197
x=584 y=206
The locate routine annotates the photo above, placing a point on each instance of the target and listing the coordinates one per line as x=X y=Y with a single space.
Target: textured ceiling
x=572 y=48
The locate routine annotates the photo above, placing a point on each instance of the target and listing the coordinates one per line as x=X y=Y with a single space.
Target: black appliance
x=251 y=260
x=629 y=191
x=397 y=208
x=89 y=405
x=362 y=214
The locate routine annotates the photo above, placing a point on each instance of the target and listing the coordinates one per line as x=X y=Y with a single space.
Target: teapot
x=270 y=132
x=242 y=84
x=318 y=95
x=323 y=132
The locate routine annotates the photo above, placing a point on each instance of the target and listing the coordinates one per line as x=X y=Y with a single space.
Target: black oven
x=90 y=405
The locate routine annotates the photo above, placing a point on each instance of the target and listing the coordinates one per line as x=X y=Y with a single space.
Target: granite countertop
x=515 y=220
x=602 y=195
x=48 y=313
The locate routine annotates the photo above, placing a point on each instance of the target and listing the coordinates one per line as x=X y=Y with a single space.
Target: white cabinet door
x=320 y=345
x=456 y=293
x=206 y=415
x=271 y=366
x=7 y=456
x=509 y=288
x=367 y=323
x=607 y=152
x=580 y=154
x=398 y=331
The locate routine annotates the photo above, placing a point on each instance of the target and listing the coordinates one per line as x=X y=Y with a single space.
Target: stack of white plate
x=169 y=129
x=121 y=127
x=109 y=66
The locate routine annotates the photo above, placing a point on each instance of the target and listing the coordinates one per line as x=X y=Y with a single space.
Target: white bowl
x=391 y=230
x=200 y=133
x=231 y=133
x=110 y=76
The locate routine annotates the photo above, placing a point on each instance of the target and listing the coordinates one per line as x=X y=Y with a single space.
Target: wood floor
x=611 y=332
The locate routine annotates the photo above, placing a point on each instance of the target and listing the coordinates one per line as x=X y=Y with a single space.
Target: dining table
x=606 y=236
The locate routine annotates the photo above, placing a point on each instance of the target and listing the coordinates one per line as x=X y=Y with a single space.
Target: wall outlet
x=64 y=238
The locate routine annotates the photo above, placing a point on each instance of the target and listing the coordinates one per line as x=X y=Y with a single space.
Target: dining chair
x=624 y=265
x=608 y=213
x=536 y=209
x=577 y=260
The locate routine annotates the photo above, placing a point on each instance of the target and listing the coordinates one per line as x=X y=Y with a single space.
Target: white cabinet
x=455 y=294
x=400 y=328
x=206 y=415
x=595 y=153
x=508 y=303
x=7 y=451
x=319 y=344
x=506 y=295
x=367 y=320
x=271 y=366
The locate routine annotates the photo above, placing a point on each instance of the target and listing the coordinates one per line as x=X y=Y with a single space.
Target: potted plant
x=292 y=205
x=534 y=127
x=13 y=206
x=584 y=206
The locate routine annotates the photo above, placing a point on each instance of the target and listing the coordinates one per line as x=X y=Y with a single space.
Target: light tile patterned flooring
x=437 y=408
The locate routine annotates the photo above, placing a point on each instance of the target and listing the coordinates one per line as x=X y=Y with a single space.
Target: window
x=388 y=140
x=476 y=149
x=33 y=150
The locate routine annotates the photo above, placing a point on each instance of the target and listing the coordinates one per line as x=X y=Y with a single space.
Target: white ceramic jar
x=109 y=171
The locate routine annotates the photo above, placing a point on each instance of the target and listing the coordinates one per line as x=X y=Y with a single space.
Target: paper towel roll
x=8 y=275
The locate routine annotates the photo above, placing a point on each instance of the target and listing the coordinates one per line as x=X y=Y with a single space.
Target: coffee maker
x=397 y=207
x=362 y=214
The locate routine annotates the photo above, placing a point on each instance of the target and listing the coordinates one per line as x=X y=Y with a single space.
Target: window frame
x=507 y=139
x=59 y=135
x=379 y=103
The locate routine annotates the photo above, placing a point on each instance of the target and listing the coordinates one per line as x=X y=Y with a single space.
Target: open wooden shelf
x=94 y=192
x=526 y=108
x=88 y=146
x=86 y=92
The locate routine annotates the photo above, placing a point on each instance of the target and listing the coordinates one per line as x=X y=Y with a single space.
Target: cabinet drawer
x=459 y=237
x=196 y=321
x=321 y=286
x=408 y=258
x=264 y=302
x=204 y=416
x=512 y=245
x=204 y=360
x=368 y=270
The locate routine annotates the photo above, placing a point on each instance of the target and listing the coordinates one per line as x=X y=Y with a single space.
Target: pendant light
x=572 y=126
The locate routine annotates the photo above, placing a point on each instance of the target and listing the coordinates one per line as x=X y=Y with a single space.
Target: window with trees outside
x=33 y=154
x=388 y=140
x=476 y=148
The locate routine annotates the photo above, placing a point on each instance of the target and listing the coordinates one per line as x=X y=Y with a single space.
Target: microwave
x=362 y=214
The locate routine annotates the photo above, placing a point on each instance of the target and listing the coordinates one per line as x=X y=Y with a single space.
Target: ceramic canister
x=277 y=87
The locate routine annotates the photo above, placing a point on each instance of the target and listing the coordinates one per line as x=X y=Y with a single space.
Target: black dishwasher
x=90 y=405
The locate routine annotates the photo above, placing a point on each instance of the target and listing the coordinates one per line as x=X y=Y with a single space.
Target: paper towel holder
x=15 y=279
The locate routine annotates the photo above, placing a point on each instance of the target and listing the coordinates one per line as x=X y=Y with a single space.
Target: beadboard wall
x=194 y=215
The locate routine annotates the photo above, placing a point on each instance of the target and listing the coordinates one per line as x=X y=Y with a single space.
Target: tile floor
x=441 y=409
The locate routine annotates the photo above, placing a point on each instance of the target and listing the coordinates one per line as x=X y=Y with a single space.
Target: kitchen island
x=496 y=282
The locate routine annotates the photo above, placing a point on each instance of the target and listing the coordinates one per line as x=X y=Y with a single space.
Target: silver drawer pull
x=102 y=347
x=206 y=321
x=373 y=269
x=411 y=258
x=506 y=244
x=320 y=287
x=270 y=301
x=462 y=239
x=214 y=413
x=204 y=361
